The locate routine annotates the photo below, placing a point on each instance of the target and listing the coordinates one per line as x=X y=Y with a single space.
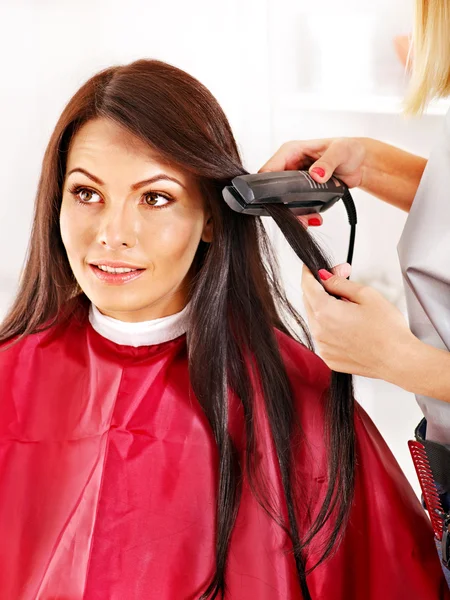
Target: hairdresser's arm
x=390 y=173
x=423 y=370
x=380 y=169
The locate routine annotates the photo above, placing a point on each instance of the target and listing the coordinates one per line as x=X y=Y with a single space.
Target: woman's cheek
x=77 y=242
x=173 y=251
x=178 y=239
x=74 y=231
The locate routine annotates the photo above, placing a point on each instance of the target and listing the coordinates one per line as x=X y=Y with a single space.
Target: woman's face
x=110 y=218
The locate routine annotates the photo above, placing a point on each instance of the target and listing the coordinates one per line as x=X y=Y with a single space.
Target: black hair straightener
x=249 y=194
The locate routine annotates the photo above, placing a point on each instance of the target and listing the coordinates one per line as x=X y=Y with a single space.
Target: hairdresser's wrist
x=367 y=144
x=421 y=369
x=390 y=173
x=372 y=168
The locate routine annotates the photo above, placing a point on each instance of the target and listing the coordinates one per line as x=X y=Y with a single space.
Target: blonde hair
x=430 y=72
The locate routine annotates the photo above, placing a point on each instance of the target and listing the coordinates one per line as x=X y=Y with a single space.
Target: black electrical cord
x=352 y=219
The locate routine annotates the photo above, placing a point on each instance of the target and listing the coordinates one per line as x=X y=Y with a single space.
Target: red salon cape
x=108 y=472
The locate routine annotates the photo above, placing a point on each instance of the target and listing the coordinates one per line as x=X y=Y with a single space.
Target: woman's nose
x=117 y=228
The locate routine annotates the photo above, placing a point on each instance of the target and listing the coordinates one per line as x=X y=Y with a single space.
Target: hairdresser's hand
x=364 y=335
x=323 y=158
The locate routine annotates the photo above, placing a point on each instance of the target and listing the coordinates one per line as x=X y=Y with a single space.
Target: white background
x=281 y=69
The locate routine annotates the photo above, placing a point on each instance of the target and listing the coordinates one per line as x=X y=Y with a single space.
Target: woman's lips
x=115 y=278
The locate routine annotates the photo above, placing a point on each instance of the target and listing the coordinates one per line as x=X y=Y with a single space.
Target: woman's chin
x=132 y=308
x=120 y=305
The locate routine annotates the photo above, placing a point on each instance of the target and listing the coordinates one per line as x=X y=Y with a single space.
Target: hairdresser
x=366 y=335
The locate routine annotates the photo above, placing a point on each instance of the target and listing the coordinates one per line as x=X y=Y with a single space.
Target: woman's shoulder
x=309 y=378
x=303 y=366
x=18 y=345
x=20 y=354
x=51 y=332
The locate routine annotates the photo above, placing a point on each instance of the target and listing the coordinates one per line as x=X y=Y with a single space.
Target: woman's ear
x=207 y=233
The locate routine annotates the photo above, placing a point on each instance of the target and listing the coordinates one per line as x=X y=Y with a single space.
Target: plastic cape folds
x=108 y=472
x=424 y=251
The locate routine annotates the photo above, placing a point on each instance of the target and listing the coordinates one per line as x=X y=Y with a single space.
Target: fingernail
x=320 y=172
x=324 y=274
x=314 y=222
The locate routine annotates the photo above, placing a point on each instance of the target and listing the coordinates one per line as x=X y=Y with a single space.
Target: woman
x=367 y=335
x=163 y=434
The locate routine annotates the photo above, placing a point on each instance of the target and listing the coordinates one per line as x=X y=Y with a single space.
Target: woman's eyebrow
x=135 y=186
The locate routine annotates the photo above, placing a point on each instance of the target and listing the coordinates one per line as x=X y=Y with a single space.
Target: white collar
x=143 y=333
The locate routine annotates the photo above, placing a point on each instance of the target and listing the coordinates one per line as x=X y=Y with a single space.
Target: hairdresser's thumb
x=323 y=169
x=320 y=171
x=340 y=286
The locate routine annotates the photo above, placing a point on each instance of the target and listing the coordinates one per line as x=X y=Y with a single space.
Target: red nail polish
x=320 y=172
x=314 y=222
x=324 y=274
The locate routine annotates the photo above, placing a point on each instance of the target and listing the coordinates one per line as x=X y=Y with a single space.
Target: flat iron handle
x=260 y=187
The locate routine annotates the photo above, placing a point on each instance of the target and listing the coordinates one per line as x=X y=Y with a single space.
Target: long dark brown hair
x=236 y=295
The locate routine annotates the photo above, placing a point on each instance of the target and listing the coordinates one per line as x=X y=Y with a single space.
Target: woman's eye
x=156 y=200
x=84 y=195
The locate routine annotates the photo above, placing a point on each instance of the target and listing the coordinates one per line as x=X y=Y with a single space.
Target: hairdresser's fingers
x=287 y=157
x=314 y=317
x=344 y=158
x=339 y=286
x=309 y=315
x=342 y=270
x=295 y=155
x=333 y=157
x=313 y=291
x=313 y=220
